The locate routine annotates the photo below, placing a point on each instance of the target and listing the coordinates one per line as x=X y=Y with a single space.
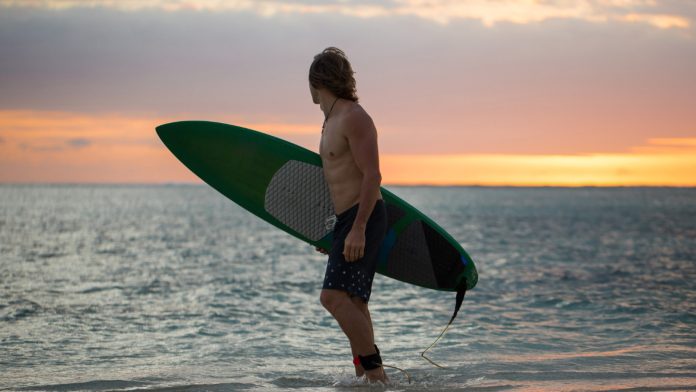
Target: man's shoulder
x=356 y=119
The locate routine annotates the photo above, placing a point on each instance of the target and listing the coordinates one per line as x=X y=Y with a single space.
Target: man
x=350 y=159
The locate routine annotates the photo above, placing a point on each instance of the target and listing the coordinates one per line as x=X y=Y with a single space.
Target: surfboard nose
x=165 y=130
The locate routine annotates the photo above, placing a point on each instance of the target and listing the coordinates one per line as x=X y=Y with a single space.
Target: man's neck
x=326 y=100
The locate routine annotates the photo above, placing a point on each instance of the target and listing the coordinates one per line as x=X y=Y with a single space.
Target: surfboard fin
x=461 y=292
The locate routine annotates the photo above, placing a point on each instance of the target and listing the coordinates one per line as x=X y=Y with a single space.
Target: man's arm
x=362 y=138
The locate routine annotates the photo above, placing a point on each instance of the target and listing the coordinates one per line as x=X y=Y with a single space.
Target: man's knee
x=360 y=304
x=332 y=299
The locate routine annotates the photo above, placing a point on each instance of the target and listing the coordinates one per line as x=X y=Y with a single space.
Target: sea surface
x=175 y=288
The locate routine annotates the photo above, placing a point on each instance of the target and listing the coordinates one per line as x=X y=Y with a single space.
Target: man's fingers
x=348 y=253
x=353 y=253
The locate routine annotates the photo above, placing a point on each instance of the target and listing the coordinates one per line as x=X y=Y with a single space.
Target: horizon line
x=418 y=185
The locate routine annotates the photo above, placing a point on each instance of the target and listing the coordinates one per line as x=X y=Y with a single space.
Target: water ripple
x=175 y=288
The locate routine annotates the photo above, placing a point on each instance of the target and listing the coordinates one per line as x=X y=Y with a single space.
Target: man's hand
x=354 y=245
x=321 y=250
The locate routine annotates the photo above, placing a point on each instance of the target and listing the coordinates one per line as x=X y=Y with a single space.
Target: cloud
x=60 y=131
x=53 y=144
x=78 y=142
x=76 y=147
x=673 y=145
x=43 y=146
x=660 y=21
x=679 y=142
x=556 y=86
x=50 y=130
x=488 y=12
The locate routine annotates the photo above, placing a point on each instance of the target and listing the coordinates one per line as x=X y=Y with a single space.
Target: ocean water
x=121 y=288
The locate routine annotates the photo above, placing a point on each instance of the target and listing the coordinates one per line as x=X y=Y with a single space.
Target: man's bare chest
x=333 y=144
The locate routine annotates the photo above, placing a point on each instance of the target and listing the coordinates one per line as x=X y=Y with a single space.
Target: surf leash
x=408 y=376
x=461 y=292
x=374 y=361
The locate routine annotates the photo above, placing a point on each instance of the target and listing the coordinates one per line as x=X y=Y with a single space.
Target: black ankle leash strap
x=370 y=362
x=358 y=360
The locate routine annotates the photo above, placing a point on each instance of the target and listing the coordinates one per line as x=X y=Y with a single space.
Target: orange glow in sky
x=66 y=147
x=479 y=92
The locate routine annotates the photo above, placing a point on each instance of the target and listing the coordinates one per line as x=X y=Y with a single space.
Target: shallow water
x=176 y=288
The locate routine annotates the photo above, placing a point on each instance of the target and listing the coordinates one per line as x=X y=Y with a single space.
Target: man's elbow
x=373 y=177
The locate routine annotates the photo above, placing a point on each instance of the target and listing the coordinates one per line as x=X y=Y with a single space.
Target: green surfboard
x=283 y=184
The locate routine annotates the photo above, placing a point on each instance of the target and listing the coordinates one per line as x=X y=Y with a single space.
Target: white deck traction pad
x=298 y=196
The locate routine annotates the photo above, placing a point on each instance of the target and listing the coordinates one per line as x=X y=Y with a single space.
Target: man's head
x=331 y=70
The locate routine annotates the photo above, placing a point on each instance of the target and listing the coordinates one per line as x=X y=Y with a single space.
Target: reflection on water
x=151 y=287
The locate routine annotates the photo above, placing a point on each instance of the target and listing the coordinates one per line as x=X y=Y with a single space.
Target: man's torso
x=342 y=174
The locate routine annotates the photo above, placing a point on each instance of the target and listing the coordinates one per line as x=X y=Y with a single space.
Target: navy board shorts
x=355 y=278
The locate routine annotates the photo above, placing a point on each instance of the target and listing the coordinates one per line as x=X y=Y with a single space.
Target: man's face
x=315 y=94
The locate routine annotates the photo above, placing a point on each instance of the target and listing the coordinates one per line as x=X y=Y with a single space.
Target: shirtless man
x=349 y=154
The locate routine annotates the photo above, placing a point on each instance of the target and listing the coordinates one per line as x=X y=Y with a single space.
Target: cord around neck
x=326 y=118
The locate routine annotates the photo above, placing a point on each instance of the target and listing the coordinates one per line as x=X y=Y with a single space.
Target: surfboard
x=283 y=184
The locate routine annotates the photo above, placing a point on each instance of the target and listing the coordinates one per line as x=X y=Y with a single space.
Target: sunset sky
x=568 y=93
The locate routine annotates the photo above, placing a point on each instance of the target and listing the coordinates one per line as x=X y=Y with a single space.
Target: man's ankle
x=375 y=374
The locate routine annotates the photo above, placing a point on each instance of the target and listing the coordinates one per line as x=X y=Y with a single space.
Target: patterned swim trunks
x=356 y=278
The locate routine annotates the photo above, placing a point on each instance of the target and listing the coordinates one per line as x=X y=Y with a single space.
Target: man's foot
x=376 y=375
x=372 y=365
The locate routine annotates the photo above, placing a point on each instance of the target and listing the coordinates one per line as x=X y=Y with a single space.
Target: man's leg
x=355 y=323
x=362 y=306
